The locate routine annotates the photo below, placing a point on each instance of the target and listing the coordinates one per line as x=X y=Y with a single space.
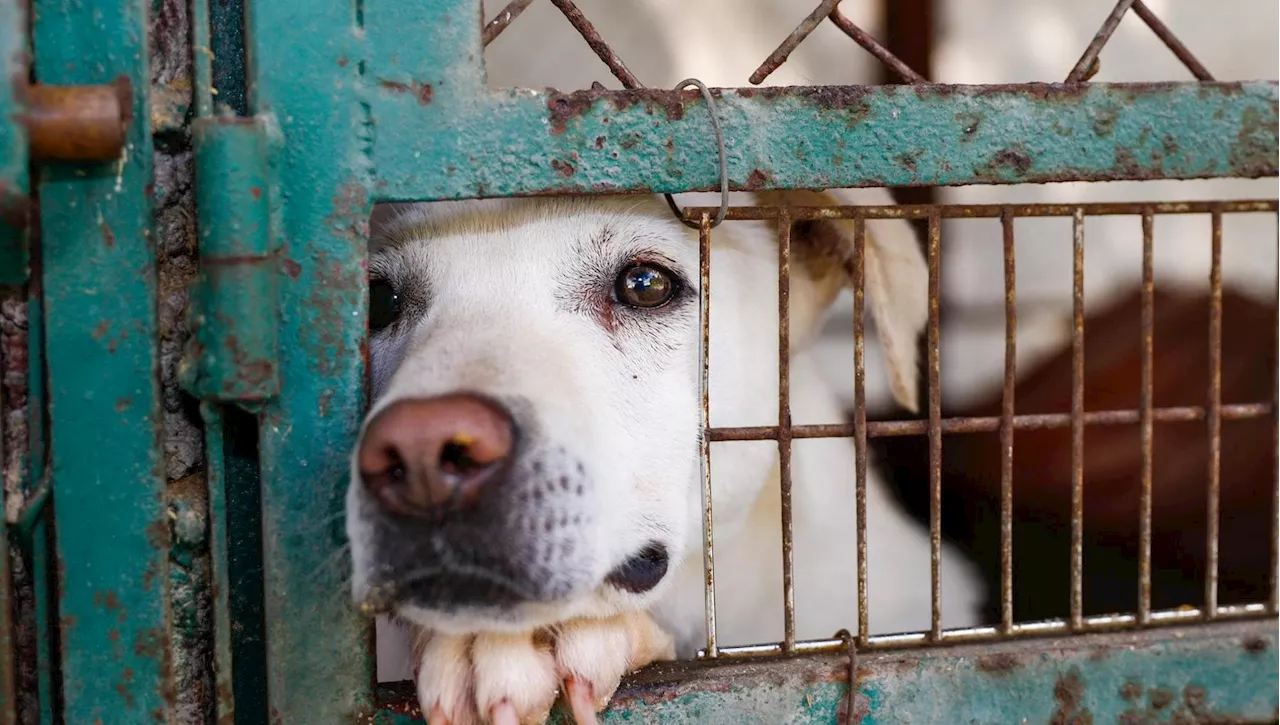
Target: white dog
x=526 y=492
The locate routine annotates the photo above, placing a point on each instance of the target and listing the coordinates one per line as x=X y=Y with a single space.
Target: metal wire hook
x=724 y=163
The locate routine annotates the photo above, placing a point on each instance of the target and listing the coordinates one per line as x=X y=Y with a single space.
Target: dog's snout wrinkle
x=421 y=457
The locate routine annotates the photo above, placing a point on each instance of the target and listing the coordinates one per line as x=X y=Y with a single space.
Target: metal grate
x=1213 y=413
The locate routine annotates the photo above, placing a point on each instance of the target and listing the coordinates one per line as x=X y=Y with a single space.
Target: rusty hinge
x=232 y=352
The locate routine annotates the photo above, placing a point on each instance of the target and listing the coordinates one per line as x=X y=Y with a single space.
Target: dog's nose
x=419 y=457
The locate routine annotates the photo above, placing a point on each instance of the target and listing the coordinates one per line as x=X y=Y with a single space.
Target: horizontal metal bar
x=1222 y=672
x=990 y=211
x=988 y=423
x=434 y=141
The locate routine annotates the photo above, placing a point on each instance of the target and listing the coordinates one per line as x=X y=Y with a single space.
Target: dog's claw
x=504 y=713
x=581 y=701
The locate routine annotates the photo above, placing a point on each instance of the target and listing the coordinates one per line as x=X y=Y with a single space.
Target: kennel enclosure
x=125 y=592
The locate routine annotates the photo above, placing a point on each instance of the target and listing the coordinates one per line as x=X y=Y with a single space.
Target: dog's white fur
x=510 y=313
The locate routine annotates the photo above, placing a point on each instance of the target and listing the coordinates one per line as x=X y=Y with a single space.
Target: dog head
x=532 y=451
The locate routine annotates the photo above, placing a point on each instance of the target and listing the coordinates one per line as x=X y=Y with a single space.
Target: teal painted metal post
x=99 y=279
x=306 y=75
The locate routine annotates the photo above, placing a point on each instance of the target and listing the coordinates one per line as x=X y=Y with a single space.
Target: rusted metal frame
x=597 y=44
x=859 y=277
x=102 y=350
x=704 y=355
x=1146 y=428
x=881 y=53
x=505 y=16
x=991 y=423
x=581 y=142
x=1087 y=66
x=779 y=55
x=308 y=84
x=934 y=370
x=1171 y=41
x=1213 y=417
x=990 y=211
x=1221 y=672
x=1077 y=420
x=993 y=633
x=1006 y=423
x=784 y=431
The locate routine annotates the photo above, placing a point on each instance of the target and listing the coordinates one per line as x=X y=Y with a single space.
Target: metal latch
x=232 y=353
x=77 y=123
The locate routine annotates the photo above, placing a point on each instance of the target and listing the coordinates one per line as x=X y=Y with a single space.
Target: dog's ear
x=896 y=276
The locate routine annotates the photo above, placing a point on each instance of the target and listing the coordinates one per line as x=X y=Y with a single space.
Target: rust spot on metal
x=599 y=142
x=101 y=330
x=1131 y=690
x=1255 y=645
x=1014 y=159
x=257 y=192
x=158 y=534
x=122 y=687
x=1000 y=664
x=122 y=404
x=422 y=91
x=1068 y=693
x=1161 y=697
x=291 y=268
x=756 y=180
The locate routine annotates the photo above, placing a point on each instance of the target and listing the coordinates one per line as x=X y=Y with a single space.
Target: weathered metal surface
x=305 y=71
x=1221 y=673
x=78 y=123
x=231 y=354
x=429 y=146
x=104 y=397
x=13 y=147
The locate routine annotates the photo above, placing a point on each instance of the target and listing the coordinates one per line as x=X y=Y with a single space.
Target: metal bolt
x=78 y=123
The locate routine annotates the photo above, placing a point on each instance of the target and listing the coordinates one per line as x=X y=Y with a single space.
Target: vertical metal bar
x=860 y=416
x=784 y=429
x=219 y=553
x=1006 y=424
x=935 y=427
x=1146 y=429
x=1077 y=421
x=1275 y=483
x=1214 y=417
x=704 y=355
x=319 y=663
x=102 y=346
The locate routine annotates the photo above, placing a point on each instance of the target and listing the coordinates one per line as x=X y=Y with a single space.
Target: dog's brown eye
x=645 y=285
x=384 y=304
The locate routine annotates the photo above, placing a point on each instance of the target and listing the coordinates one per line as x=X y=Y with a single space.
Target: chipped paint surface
x=1221 y=673
x=102 y=341
x=318 y=658
x=520 y=142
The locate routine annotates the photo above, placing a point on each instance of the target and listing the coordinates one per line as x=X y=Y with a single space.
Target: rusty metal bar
x=784 y=430
x=1213 y=516
x=601 y=48
x=1275 y=484
x=860 y=416
x=1171 y=41
x=504 y=18
x=989 y=211
x=779 y=55
x=1006 y=426
x=704 y=353
x=1077 y=420
x=1145 y=405
x=1096 y=623
x=935 y=427
x=991 y=424
x=872 y=46
x=78 y=123
x=1086 y=67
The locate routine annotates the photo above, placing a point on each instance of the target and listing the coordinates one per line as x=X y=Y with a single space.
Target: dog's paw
x=505 y=679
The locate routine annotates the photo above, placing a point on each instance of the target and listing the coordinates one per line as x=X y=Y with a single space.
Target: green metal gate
x=136 y=592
